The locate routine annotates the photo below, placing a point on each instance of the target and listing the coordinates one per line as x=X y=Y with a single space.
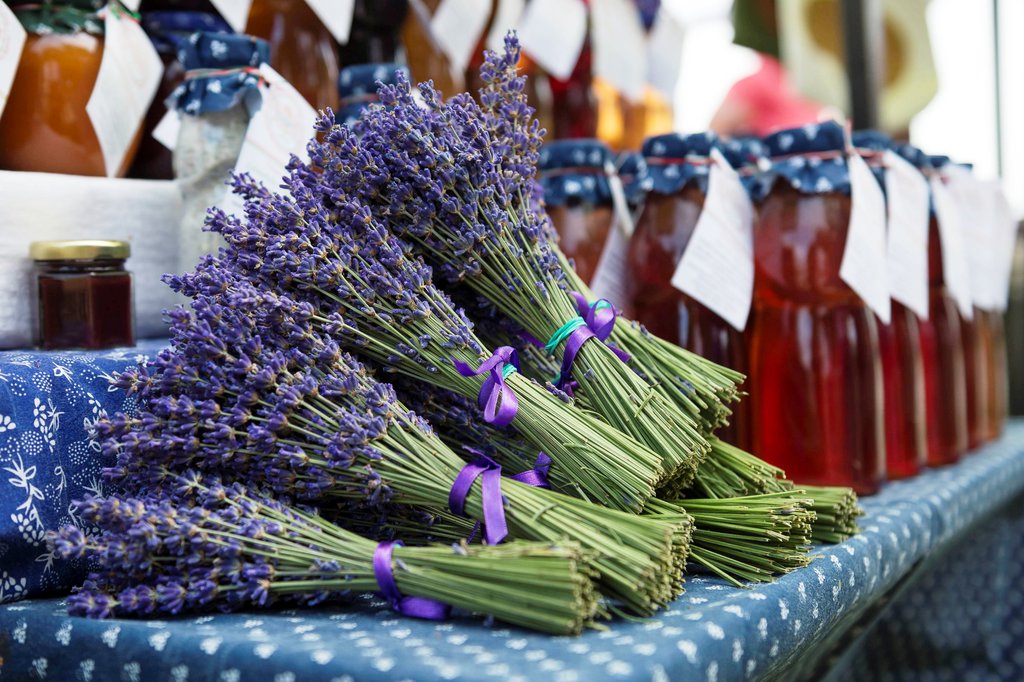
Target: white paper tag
x=974 y=203
x=235 y=12
x=129 y=75
x=907 y=240
x=609 y=279
x=955 y=267
x=505 y=19
x=623 y=218
x=620 y=46
x=133 y=5
x=458 y=25
x=864 y=256
x=665 y=53
x=336 y=15
x=717 y=267
x=166 y=131
x=12 y=39
x=552 y=33
x=280 y=128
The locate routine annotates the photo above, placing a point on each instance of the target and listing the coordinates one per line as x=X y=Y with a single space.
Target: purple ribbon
x=493 y=502
x=496 y=399
x=600 y=317
x=538 y=475
x=416 y=607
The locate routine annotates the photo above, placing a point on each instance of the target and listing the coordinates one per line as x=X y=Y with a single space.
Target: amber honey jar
x=84 y=294
x=45 y=126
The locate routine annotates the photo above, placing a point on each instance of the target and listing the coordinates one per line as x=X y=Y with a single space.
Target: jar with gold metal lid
x=84 y=294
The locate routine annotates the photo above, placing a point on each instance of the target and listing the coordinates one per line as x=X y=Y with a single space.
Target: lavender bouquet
x=195 y=543
x=366 y=291
x=436 y=177
x=253 y=391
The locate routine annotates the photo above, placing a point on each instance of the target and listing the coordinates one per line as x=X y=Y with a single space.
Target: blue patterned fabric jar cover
x=357 y=87
x=746 y=154
x=576 y=172
x=673 y=160
x=811 y=159
x=169 y=29
x=635 y=177
x=221 y=71
x=871 y=145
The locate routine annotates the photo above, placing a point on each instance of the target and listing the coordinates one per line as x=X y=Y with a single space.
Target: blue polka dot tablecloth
x=933 y=589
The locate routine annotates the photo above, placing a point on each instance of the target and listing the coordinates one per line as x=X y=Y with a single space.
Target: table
x=933 y=588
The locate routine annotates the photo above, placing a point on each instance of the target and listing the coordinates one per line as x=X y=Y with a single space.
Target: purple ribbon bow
x=497 y=400
x=489 y=472
x=416 y=607
x=600 y=317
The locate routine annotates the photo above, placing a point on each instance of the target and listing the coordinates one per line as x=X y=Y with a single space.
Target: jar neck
x=80 y=266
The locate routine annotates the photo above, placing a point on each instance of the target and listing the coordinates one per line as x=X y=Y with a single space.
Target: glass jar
x=942 y=349
x=45 y=126
x=815 y=374
x=678 y=168
x=218 y=96
x=997 y=377
x=424 y=56
x=167 y=29
x=301 y=48
x=573 y=103
x=574 y=175
x=903 y=365
x=84 y=294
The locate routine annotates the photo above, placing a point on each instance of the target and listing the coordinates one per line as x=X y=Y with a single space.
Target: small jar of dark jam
x=84 y=294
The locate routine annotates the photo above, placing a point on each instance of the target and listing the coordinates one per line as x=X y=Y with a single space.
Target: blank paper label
x=166 y=131
x=281 y=127
x=620 y=46
x=552 y=33
x=505 y=19
x=864 y=258
x=235 y=12
x=609 y=281
x=130 y=73
x=336 y=15
x=955 y=266
x=12 y=39
x=665 y=54
x=457 y=26
x=907 y=248
x=717 y=267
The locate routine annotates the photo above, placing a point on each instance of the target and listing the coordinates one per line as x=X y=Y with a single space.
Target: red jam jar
x=575 y=177
x=815 y=373
x=678 y=169
x=84 y=294
x=903 y=368
x=941 y=347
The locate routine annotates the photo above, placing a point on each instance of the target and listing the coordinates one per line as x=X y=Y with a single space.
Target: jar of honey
x=578 y=196
x=903 y=365
x=423 y=54
x=573 y=102
x=302 y=49
x=941 y=347
x=679 y=168
x=635 y=178
x=45 y=126
x=357 y=88
x=976 y=337
x=815 y=374
x=84 y=294
x=167 y=29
